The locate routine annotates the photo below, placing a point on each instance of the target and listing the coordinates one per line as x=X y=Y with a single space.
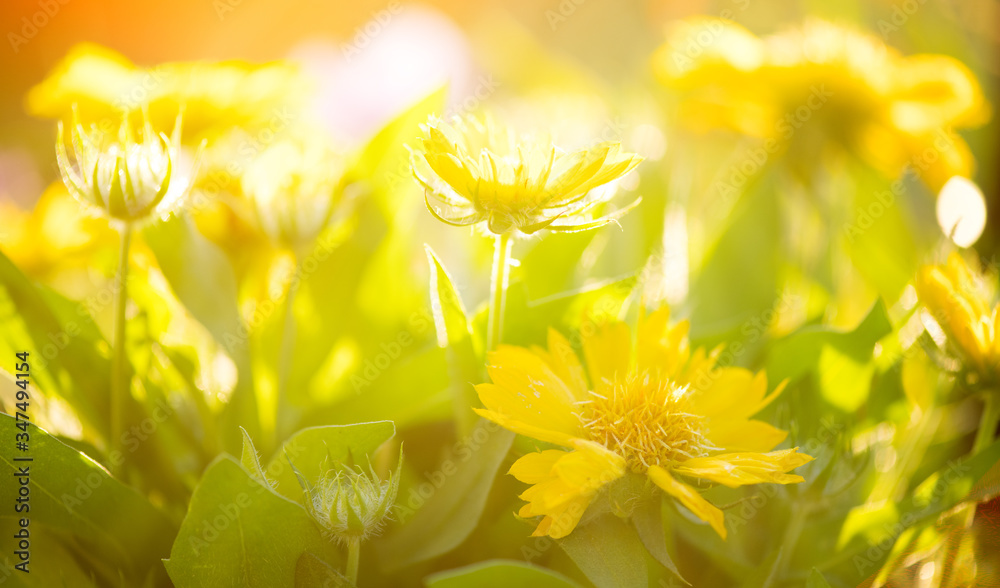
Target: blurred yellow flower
x=102 y=85
x=296 y=188
x=822 y=83
x=124 y=180
x=474 y=171
x=655 y=409
x=959 y=299
x=53 y=236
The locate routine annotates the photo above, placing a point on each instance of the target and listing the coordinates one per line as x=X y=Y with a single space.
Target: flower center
x=646 y=421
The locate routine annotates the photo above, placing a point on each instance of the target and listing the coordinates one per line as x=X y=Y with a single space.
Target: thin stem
x=119 y=375
x=285 y=357
x=988 y=422
x=498 y=289
x=353 y=557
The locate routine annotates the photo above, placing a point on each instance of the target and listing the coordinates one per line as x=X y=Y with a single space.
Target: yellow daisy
x=655 y=409
x=474 y=171
x=823 y=85
x=959 y=300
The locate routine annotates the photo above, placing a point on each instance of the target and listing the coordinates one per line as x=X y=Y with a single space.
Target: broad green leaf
x=528 y=321
x=239 y=533
x=454 y=334
x=311 y=571
x=450 y=515
x=649 y=524
x=738 y=280
x=66 y=353
x=386 y=160
x=316 y=450
x=609 y=552
x=71 y=493
x=841 y=361
x=202 y=278
x=498 y=573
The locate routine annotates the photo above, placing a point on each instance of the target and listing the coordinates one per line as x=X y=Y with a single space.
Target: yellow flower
x=958 y=299
x=124 y=180
x=823 y=84
x=474 y=171
x=103 y=84
x=296 y=188
x=655 y=409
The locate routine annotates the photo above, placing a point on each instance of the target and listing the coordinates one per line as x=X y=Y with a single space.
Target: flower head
x=474 y=171
x=959 y=300
x=124 y=179
x=653 y=410
x=295 y=187
x=353 y=504
x=801 y=87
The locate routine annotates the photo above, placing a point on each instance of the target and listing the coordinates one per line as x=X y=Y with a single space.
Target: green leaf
x=649 y=525
x=454 y=333
x=239 y=533
x=311 y=571
x=842 y=362
x=816 y=580
x=386 y=160
x=451 y=514
x=65 y=349
x=609 y=552
x=203 y=280
x=315 y=450
x=498 y=573
x=72 y=494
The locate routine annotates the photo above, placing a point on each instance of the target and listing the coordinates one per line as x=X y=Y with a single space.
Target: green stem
x=119 y=374
x=285 y=358
x=498 y=289
x=353 y=557
x=988 y=422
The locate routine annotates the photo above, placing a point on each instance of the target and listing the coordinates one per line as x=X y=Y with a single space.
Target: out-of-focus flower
x=352 y=504
x=53 y=235
x=123 y=179
x=103 y=84
x=655 y=410
x=474 y=171
x=959 y=299
x=823 y=84
x=296 y=188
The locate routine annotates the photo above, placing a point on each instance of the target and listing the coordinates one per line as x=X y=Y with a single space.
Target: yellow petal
x=732 y=393
x=527 y=389
x=606 y=348
x=745 y=435
x=739 y=469
x=690 y=498
x=532 y=468
x=522 y=428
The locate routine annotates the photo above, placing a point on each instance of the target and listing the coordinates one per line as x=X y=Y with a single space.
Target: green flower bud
x=353 y=504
